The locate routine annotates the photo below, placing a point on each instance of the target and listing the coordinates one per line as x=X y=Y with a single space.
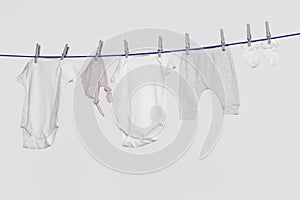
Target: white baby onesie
x=209 y=69
x=139 y=114
x=43 y=82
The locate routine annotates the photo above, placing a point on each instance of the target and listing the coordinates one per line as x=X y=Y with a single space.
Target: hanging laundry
x=140 y=116
x=251 y=55
x=254 y=54
x=210 y=69
x=43 y=82
x=93 y=78
x=270 y=52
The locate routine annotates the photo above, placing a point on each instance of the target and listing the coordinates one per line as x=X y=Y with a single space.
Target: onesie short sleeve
x=69 y=74
x=169 y=66
x=24 y=75
x=116 y=73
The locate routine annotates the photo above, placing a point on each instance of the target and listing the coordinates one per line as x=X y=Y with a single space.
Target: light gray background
x=257 y=157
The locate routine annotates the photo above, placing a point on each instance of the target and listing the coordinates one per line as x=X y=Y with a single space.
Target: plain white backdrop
x=258 y=154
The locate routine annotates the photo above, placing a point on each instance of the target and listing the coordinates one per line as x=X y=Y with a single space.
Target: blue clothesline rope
x=155 y=52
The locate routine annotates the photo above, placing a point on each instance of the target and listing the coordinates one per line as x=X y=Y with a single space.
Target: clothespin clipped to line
x=99 y=49
x=37 y=52
x=222 y=39
x=65 y=52
x=268 y=33
x=187 y=44
x=160 y=46
x=126 y=49
x=249 y=35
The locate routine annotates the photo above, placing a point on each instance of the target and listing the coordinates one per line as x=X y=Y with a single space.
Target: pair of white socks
x=255 y=53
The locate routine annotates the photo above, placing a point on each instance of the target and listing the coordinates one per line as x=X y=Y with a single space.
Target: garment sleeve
x=115 y=74
x=171 y=64
x=24 y=75
x=104 y=82
x=69 y=73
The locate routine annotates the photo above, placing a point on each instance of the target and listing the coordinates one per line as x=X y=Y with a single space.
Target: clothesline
x=155 y=52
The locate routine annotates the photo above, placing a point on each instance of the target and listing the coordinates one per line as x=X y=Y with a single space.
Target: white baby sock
x=270 y=52
x=251 y=55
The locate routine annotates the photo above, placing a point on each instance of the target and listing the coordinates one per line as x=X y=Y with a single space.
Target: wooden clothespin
x=99 y=49
x=187 y=44
x=268 y=33
x=37 y=52
x=126 y=49
x=160 y=46
x=65 y=52
x=222 y=39
x=249 y=35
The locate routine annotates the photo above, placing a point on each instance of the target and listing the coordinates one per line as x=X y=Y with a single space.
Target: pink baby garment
x=93 y=78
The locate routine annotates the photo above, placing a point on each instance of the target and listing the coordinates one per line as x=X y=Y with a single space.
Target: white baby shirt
x=43 y=82
x=140 y=100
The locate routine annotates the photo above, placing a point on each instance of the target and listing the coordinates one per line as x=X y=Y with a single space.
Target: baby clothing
x=93 y=78
x=270 y=52
x=253 y=54
x=208 y=69
x=139 y=110
x=43 y=82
